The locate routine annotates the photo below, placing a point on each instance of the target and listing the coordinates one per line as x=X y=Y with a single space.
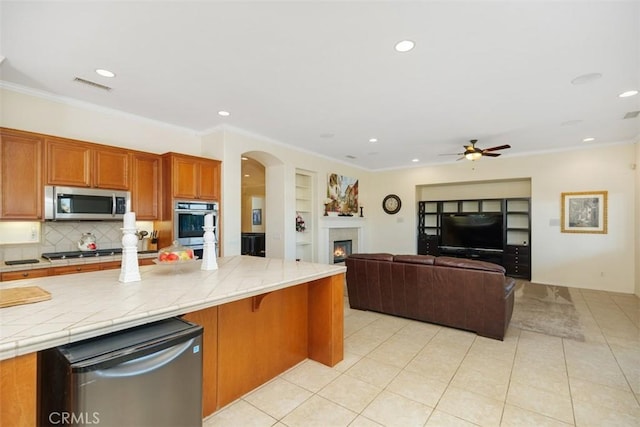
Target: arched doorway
x=266 y=192
x=253 y=221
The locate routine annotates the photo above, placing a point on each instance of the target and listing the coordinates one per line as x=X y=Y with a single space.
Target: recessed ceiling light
x=244 y=158
x=105 y=73
x=588 y=139
x=373 y=139
x=628 y=93
x=415 y=160
x=405 y=46
x=246 y=175
x=223 y=113
x=327 y=135
x=586 y=78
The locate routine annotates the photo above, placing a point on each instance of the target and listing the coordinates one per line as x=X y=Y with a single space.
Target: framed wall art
x=584 y=212
x=256 y=217
x=342 y=194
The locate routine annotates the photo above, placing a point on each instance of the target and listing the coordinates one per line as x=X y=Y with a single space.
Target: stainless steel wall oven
x=188 y=222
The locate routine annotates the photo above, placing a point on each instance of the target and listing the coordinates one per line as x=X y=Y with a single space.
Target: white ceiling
x=324 y=77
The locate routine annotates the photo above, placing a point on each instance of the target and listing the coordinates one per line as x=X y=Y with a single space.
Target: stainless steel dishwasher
x=150 y=375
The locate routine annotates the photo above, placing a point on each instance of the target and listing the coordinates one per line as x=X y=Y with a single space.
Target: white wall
x=85 y=122
x=281 y=163
x=637 y=218
x=591 y=261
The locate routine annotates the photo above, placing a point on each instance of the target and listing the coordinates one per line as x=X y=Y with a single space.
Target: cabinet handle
x=25 y=274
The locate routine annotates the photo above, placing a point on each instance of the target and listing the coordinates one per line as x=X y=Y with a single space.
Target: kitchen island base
x=250 y=341
x=246 y=343
x=261 y=316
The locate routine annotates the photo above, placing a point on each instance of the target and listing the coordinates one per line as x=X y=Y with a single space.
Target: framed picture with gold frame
x=584 y=212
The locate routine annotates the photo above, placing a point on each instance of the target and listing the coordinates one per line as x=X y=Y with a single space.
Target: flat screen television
x=472 y=230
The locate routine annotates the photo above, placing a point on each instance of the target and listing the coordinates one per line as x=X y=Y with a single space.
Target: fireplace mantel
x=342 y=221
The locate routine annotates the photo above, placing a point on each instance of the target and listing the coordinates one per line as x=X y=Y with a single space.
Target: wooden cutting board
x=25 y=295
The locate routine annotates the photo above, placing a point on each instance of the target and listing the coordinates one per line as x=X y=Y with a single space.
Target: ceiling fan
x=471 y=152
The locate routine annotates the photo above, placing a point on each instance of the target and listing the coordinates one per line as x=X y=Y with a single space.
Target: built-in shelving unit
x=515 y=254
x=305 y=247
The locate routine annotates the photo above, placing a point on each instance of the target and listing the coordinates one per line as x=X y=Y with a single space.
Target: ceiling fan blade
x=500 y=147
x=451 y=154
x=491 y=154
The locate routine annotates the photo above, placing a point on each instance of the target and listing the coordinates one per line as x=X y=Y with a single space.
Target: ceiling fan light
x=473 y=156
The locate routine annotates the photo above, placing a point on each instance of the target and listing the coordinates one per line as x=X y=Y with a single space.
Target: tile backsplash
x=63 y=236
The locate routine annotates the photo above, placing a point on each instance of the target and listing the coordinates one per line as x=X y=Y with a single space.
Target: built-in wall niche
x=475 y=190
x=306 y=213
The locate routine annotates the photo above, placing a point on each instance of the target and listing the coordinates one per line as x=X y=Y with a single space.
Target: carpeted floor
x=546 y=309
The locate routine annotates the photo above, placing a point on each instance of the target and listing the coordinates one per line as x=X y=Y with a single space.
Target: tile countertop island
x=91 y=304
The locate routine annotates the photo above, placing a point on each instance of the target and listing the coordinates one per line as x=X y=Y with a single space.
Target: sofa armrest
x=509 y=285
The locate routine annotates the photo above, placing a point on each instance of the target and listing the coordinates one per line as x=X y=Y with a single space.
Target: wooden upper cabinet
x=20 y=175
x=145 y=185
x=81 y=164
x=193 y=177
x=111 y=169
x=209 y=181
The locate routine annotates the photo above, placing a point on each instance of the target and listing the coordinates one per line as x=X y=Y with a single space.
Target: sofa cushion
x=471 y=264
x=374 y=257
x=415 y=259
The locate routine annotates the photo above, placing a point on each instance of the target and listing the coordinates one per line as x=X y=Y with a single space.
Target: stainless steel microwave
x=82 y=204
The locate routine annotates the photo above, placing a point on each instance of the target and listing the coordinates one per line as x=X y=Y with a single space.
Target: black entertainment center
x=492 y=230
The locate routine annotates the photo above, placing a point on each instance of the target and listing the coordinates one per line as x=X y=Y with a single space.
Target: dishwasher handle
x=149 y=362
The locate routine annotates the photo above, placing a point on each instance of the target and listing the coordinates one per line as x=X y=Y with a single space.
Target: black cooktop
x=81 y=254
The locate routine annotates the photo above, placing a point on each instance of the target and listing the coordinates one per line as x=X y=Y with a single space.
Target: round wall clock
x=391 y=204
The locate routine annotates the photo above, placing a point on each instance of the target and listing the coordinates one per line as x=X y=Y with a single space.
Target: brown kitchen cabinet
x=18 y=391
x=66 y=269
x=20 y=175
x=72 y=269
x=192 y=177
x=208 y=318
x=83 y=164
x=24 y=274
x=145 y=185
x=112 y=265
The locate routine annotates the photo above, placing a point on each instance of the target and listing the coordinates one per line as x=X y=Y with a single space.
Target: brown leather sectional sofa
x=456 y=292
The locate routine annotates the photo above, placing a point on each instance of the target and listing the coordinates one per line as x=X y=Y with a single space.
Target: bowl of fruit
x=175 y=254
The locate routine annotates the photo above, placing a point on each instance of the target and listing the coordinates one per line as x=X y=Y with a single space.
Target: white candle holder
x=209 y=261
x=129 y=271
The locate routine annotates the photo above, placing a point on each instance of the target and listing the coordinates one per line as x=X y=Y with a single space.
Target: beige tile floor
x=398 y=372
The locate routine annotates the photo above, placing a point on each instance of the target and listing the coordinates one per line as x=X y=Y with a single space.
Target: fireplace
x=341 y=250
